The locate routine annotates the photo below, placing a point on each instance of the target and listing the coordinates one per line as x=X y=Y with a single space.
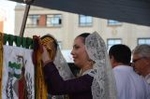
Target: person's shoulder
x=90 y=72
x=123 y=68
x=122 y=71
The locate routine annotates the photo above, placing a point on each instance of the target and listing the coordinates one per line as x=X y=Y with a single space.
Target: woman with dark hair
x=95 y=80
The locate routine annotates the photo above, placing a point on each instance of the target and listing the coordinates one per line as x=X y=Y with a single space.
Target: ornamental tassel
x=40 y=88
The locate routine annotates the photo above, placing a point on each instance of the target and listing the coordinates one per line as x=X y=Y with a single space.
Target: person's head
x=51 y=45
x=141 y=59
x=120 y=54
x=78 y=52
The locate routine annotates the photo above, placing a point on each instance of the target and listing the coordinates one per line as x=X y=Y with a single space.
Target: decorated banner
x=21 y=74
x=17 y=73
x=19 y=77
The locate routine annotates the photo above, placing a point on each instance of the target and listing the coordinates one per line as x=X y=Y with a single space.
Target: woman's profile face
x=79 y=53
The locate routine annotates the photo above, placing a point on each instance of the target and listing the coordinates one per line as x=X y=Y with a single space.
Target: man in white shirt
x=129 y=84
x=141 y=61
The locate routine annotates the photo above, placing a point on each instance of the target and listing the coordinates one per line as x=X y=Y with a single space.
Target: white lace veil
x=62 y=66
x=60 y=63
x=103 y=86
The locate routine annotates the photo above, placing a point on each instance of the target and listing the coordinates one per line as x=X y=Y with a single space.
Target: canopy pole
x=28 y=3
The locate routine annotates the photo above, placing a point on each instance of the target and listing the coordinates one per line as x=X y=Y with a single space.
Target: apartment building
x=65 y=26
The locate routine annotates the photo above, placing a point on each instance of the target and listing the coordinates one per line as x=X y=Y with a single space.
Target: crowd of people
x=129 y=84
x=102 y=75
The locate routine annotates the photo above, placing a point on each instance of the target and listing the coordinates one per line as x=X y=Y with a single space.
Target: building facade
x=2 y=19
x=66 y=26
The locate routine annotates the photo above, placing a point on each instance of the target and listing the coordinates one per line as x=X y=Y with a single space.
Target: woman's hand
x=45 y=56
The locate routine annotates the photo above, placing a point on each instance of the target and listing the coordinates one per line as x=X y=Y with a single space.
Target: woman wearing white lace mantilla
x=95 y=81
